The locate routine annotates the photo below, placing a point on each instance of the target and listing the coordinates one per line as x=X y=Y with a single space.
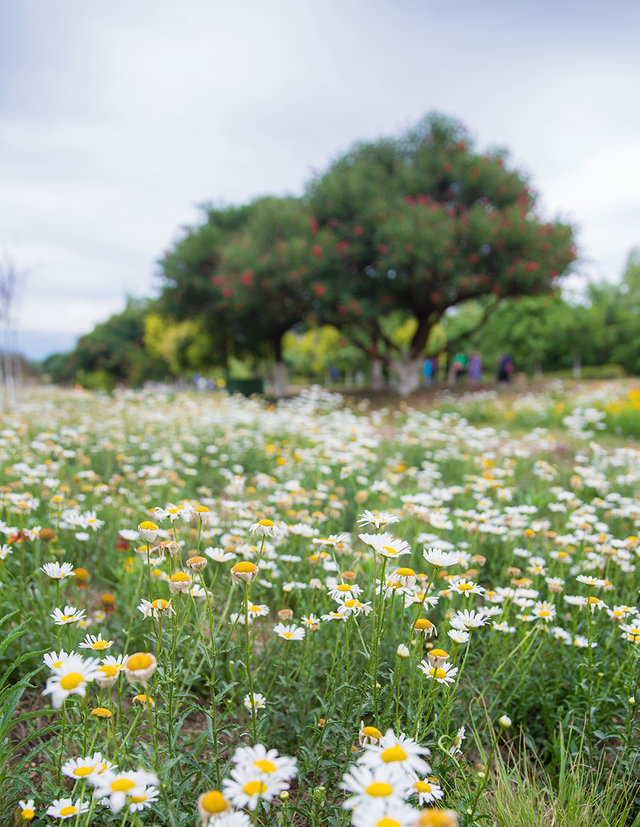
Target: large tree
x=419 y=224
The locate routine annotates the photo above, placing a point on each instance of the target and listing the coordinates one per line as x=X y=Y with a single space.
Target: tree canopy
x=422 y=223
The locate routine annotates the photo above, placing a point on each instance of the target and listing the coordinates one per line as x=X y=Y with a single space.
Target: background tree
x=420 y=224
x=113 y=353
x=245 y=275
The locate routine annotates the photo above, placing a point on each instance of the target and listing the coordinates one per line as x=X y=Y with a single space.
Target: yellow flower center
x=379 y=789
x=349 y=604
x=254 y=608
x=265 y=766
x=393 y=754
x=140 y=661
x=71 y=681
x=68 y=811
x=438 y=674
x=344 y=587
x=180 y=577
x=148 y=526
x=100 y=644
x=438 y=653
x=287 y=635
x=406 y=573
x=544 y=613
x=371 y=732
x=27 y=814
x=202 y=509
x=255 y=788
x=465 y=587
x=594 y=600
x=388 y=822
x=244 y=566
x=138 y=799
x=101 y=712
x=82 y=771
x=58 y=664
x=108 y=670
x=160 y=604
x=390 y=551
x=422 y=787
x=266 y=523
x=122 y=785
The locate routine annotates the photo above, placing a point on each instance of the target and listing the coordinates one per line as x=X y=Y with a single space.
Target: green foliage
x=422 y=223
x=112 y=353
x=315 y=351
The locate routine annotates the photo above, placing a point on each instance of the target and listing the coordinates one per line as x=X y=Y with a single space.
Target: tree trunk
x=577 y=367
x=408 y=374
x=280 y=376
x=281 y=380
x=377 y=376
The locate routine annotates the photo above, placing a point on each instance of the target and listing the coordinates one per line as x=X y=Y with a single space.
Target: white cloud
x=120 y=118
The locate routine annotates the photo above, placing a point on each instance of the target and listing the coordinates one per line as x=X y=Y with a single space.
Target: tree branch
x=466 y=334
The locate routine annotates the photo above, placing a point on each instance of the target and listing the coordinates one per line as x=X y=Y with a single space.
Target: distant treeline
x=542 y=334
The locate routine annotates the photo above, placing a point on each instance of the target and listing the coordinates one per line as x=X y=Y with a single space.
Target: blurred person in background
x=475 y=367
x=505 y=368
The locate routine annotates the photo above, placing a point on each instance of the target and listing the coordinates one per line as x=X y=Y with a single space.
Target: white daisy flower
x=248 y=786
x=65 y=808
x=95 y=643
x=57 y=571
x=439 y=558
x=69 y=615
x=289 y=632
x=398 y=750
x=71 y=679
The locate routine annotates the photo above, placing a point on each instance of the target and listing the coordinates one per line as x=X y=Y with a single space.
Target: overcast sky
x=118 y=118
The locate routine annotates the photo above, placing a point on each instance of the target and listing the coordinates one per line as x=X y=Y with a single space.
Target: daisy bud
x=140 y=667
x=244 y=572
x=197 y=563
x=106 y=676
x=179 y=582
x=81 y=576
x=144 y=700
x=505 y=722
x=48 y=535
x=284 y=795
x=402 y=651
x=108 y=602
x=170 y=546
x=433 y=817
x=211 y=804
x=424 y=627
x=202 y=513
x=349 y=576
x=315 y=583
x=148 y=531
x=100 y=712
x=438 y=657
x=368 y=735
x=285 y=614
